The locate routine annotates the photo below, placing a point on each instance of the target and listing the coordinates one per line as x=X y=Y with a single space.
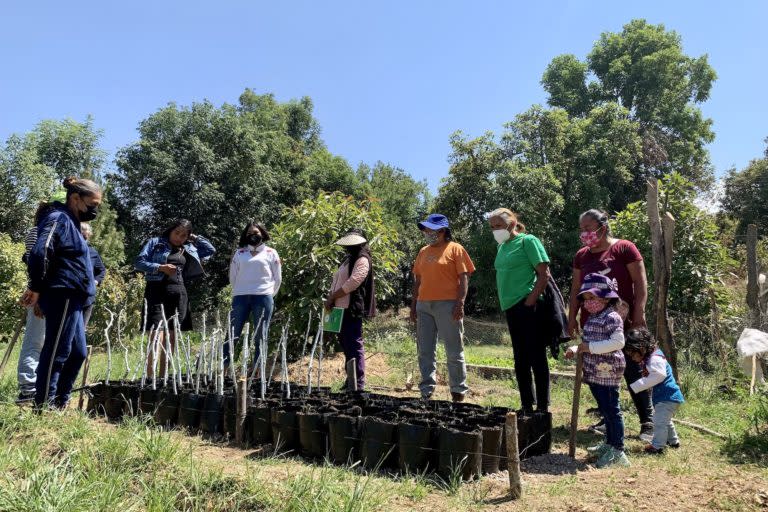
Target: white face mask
x=501 y=235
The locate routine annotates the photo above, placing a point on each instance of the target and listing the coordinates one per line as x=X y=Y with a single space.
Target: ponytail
x=80 y=186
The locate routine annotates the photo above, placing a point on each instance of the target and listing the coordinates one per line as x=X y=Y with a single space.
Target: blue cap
x=434 y=222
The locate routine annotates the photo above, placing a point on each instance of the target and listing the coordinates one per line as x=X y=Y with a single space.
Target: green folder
x=332 y=320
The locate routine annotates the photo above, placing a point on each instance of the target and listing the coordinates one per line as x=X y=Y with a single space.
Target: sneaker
x=457 y=397
x=598 y=428
x=674 y=445
x=598 y=449
x=646 y=432
x=613 y=457
x=650 y=450
x=25 y=398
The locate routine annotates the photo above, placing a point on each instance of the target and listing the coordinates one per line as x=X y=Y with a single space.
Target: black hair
x=42 y=209
x=178 y=223
x=448 y=234
x=244 y=234
x=598 y=216
x=640 y=340
x=80 y=186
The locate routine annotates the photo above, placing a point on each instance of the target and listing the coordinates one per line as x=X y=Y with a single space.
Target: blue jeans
x=250 y=307
x=31 y=345
x=64 y=349
x=607 y=398
x=663 y=429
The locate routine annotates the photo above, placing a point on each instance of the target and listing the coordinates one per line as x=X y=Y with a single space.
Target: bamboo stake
x=86 y=367
x=513 y=456
x=306 y=336
x=221 y=366
x=320 y=358
x=167 y=344
x=146 y=361
x=263 y=360
x=575 y=406
x=242 y=406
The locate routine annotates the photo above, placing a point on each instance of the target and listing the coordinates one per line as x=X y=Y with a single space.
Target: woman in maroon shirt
x=619 y=260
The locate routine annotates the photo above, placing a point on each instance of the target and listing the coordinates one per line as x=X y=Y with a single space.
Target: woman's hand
x=412 y=317
x=29 y=298
x=329 y=303
x=530 y=301
x=167 y=269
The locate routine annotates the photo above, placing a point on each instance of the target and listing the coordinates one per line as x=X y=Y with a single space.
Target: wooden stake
x=513 y=456
x=86 y=366
x=575 y=405
x=754 y=374
x=15 y=338
x=242 y=406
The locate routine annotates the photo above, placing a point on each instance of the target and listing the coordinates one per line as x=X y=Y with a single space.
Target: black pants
x=642 y=400
x=530 y=355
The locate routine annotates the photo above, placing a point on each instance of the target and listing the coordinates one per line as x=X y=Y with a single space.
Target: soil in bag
x=344 y=438
x=415 y=445
x=491 y=448
x=113 y=405
x=379 y=445
x=190 y=409
x=460 y=451
x=167 y=411
x=130 y=392
x=534 y=434
x=259 y=424
x=148 y=400
x=95 y=398
x=313 y=434
x=212 y=416
x=285 y=428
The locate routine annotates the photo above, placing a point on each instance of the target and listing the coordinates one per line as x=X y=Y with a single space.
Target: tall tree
x=219 y=166
x=644 y=69
x=746 y=194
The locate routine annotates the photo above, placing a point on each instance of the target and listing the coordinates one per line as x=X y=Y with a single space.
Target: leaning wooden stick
x=754 y=375
x=513 y=456
x=86 y=366
x=15 y=338
x=575 y=407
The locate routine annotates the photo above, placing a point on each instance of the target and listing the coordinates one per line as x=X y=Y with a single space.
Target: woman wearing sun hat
x=353 y=290
x=441 y=278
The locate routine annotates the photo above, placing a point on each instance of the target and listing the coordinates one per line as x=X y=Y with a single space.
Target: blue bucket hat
x=600 y=286
x=434 y=222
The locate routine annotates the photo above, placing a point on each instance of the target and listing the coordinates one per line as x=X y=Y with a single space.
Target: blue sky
x=390 y=80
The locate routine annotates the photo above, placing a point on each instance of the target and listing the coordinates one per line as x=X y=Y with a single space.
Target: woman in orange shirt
x=441 y=278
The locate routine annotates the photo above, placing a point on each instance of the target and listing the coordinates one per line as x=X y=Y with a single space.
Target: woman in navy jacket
x=169 y=262
x=61 y=279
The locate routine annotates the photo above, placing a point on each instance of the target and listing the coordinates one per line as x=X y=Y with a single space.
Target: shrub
x=13 y=282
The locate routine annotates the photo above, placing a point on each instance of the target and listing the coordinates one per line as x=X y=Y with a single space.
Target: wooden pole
x=662 y=239
x=754 y=375
x=86 y=366
x=575 y=405
x=513 y=456
x=753 y=286
x=242 y=406
x=15 y=338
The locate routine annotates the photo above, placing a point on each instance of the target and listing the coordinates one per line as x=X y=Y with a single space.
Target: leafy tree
x=33 y=165
x=13 y=281
x=746 y=194
x=220 y=166
x=305 y=241
x=644 y=70
x=699 y=259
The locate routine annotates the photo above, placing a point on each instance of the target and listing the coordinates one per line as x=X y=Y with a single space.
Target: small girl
x=603 y=339
x=641 y=347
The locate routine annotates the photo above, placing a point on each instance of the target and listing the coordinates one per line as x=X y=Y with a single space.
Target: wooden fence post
x=662 y=241
x=513 y=456
x=753 y=285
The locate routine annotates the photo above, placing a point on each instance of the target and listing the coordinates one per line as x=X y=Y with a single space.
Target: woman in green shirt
x=522 y=271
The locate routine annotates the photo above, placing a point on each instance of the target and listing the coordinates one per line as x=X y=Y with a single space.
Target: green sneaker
x=612 y=457
x=598 y=449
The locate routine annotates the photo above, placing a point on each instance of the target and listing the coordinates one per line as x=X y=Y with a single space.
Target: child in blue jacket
x=641 y=347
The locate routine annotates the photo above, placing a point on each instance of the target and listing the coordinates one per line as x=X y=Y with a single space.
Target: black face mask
x=254 y=239
x=90 y=213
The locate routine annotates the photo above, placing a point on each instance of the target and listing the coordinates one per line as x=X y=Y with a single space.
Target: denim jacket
x=155 y=253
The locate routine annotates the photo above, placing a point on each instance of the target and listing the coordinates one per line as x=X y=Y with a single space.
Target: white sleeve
x=234 y=267
x=612 y=344
x=657 y=372
x=277 y=272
